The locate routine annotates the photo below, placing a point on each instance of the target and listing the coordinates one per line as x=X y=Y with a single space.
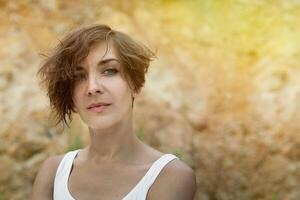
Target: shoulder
x=43 y=184
x=50 y=164
x=176 y=181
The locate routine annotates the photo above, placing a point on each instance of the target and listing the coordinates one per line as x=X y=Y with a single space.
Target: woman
x=97 y=72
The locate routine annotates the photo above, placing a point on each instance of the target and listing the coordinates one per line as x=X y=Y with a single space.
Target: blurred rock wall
x=223 y=94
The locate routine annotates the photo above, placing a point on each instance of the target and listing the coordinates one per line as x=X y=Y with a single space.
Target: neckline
x=132 y=189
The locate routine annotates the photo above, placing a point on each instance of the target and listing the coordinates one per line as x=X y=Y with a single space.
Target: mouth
x=99 y=107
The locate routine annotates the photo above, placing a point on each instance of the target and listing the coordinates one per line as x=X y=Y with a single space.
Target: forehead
x=100 y=51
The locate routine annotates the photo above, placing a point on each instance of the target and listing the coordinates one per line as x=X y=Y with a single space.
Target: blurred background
x=223 y=94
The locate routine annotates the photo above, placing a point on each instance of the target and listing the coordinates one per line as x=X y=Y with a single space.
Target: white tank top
x=139 y=192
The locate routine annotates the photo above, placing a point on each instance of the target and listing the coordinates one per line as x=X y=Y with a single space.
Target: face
x=102 y=97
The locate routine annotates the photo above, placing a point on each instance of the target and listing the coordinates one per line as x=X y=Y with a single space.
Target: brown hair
x=57 y=71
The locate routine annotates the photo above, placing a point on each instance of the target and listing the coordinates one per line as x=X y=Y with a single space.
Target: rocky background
x=223 y=94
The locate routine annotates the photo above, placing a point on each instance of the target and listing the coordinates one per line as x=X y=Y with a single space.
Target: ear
x=136 y=93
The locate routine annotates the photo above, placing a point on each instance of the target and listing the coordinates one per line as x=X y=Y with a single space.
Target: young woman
x=97 y=72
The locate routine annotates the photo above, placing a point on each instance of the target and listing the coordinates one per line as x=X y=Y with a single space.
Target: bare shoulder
x=43 y=184
x=176 y=181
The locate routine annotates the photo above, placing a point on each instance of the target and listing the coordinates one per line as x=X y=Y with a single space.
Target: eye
x=110 y=71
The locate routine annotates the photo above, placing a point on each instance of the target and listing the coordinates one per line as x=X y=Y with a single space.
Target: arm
x=176 y=181
x=43 y=184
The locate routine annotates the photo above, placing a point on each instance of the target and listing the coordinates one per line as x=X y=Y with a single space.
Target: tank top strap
x=139 y=192
x=62 y=176
x=156 y=168
x=66 y=163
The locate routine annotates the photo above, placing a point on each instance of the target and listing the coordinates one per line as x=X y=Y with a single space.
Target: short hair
x=57 y=71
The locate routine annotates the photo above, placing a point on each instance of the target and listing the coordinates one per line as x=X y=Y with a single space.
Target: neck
x=113 y=144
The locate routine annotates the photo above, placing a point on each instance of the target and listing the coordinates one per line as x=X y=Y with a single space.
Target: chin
x=100 y=123
x=100 y=126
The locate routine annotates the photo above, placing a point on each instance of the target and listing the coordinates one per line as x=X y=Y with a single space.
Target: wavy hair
x=57 y=70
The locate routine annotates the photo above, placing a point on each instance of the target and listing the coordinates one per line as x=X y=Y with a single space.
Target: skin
x=115 y=160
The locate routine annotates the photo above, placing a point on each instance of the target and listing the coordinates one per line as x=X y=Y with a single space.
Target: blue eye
x=110 y=71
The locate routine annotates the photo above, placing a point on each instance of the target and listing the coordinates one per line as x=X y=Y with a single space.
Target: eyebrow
x=101 y=62
x=104 y=61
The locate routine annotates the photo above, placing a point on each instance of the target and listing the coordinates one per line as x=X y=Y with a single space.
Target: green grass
x=178 y=153
x=76 y=144
x=273 y=197
x=1 y=196
x=140 y=133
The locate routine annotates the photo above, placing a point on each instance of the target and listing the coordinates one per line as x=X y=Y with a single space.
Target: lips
x=98 y=107
x=93 y=105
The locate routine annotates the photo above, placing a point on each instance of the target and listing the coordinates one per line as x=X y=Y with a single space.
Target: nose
x=94 y=86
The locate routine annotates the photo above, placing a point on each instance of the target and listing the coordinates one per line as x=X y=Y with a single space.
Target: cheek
x=124 y=91
x=76 y=97
x=122 y=94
